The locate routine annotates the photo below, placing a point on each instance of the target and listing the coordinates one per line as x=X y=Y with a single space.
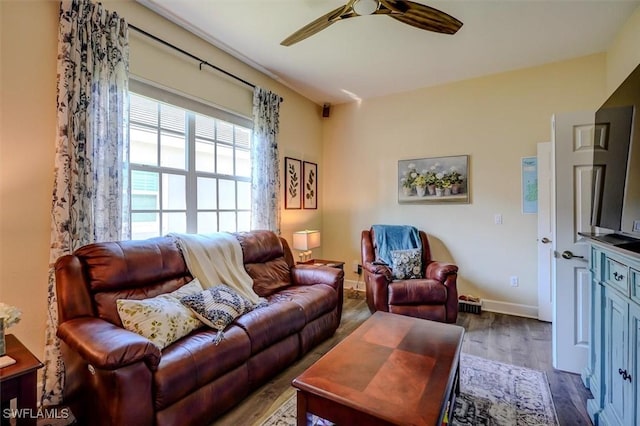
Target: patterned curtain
x=265 y=185
x=90 y=183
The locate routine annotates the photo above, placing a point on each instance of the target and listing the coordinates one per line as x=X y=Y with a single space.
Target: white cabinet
x=612 y=374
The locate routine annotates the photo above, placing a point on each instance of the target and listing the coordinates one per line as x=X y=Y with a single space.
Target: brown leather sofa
x=434 y=297
x=117 y=377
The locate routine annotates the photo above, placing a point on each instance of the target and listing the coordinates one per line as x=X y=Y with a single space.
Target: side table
x=324 y=262
x=19 y=381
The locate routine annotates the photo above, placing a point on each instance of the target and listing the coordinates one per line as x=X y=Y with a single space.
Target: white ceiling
x=370 y=56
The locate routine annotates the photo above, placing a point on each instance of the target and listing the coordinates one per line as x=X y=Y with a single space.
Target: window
x=190 y=167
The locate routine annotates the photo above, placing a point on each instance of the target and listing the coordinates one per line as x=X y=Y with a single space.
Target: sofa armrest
x=107 y=346
x=313 y=274
x=440 y=270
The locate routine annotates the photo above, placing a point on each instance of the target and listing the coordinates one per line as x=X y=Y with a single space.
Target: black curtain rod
x=192 y=56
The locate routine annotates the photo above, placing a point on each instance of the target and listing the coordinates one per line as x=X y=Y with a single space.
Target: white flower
x=433 y=167
x=414 y=175
x=439 y=175
x=411 y=166
x=405 y=173
x=9 y=314
x=454 y=168
x=424 y=171
x=403 y=180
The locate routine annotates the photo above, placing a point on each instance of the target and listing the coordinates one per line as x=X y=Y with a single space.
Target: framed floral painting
x=310 y=190
x=434 y=180
x=292 y=179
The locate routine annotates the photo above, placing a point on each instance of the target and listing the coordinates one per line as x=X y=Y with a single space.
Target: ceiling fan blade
x=421 y=16
x=342 y=12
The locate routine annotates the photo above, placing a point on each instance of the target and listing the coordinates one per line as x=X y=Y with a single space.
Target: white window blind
x=190 y=165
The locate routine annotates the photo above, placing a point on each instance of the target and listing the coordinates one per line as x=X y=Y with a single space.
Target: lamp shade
x=306 y=240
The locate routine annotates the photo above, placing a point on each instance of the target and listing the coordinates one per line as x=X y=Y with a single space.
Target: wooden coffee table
x=393 y=369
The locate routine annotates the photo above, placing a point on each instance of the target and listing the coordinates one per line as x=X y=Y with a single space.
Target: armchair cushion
x=417 y=292
x=406 y=264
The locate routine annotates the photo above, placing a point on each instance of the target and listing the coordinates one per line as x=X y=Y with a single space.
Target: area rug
x=491 y=393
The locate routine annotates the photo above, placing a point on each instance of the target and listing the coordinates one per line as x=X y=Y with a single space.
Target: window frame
x=192 y=108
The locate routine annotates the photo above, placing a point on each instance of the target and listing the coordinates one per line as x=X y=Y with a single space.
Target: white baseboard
x=516 y=309
x=497 y=306
x=351 y=284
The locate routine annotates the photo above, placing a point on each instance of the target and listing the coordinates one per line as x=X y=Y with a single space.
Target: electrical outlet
x=497 y=219
x=513 y=280
x=359 y=269
x=355 y=267
x=636 y=226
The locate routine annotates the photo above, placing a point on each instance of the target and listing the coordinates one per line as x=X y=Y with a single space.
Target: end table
x=19 y=381
x=323 y=262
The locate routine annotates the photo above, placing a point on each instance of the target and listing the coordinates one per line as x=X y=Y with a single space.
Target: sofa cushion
x=217 y=307
x=161 y=319
x=272 y=323
x=315 y=300
x=266 y=261
x=133 y=269
x=269 y=277
x=406 y=264
x=193 y=362
x=260 y=246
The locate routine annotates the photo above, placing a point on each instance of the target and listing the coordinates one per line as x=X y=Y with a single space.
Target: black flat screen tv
x=616 y=161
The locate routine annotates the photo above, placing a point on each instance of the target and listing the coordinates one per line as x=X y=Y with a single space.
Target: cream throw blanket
x=217 y=259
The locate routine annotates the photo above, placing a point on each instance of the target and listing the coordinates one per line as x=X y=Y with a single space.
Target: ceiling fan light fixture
x=365 y=7
x=406 y=11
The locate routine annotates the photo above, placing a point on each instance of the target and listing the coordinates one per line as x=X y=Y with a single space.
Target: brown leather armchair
x=434 y=297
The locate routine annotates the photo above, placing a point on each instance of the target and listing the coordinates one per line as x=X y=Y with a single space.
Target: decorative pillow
x=407 y=264
x=192 y=287
x=217 y=307
x=161 y=319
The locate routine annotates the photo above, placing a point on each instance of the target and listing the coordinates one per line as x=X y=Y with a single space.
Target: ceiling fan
x=408 y=12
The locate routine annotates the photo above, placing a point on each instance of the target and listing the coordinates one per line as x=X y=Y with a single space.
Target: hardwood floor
x=505 y=338
x=526 y=342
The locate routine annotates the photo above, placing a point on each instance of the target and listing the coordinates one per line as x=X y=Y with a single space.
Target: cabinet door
x=616 y=408
x=634 y=361
x=597 y=351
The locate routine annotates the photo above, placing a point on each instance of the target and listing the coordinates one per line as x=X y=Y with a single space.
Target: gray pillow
x=406 y=264
x=217 y=307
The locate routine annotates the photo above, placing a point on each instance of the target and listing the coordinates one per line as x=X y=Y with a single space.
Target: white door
x=572 y=140
x=545 y=231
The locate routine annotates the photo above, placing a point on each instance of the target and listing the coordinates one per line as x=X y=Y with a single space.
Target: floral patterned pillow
x=407 y=264
x=217 y=307
x=161 y=319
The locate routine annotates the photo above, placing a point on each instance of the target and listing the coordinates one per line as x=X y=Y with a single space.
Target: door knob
x=568 y=255
x=545 y=240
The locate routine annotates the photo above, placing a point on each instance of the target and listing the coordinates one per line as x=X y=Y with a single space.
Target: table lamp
x=305 y=241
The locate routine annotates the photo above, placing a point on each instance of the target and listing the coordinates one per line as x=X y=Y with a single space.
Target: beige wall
x=27 y=132
x=496 y=120
x=28 y=71
x=624 y=53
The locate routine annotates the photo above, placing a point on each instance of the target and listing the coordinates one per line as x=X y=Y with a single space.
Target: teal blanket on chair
x=394 y=237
